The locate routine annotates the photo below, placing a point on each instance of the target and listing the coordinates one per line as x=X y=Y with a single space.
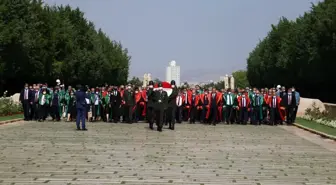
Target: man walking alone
x=81 y=106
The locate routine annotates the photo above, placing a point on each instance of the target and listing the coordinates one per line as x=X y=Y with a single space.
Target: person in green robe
x=70 y=100
x=257 y=103
x=107 y=106
x=44 y=103
x=230 y=99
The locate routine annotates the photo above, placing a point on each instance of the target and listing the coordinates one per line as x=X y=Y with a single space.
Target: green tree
x=135 y=81
x=156 y=80
x=240 y=78
x=40 y=43
x=299 y=53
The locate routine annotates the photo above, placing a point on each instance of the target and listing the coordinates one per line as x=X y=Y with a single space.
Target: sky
x=206 y=38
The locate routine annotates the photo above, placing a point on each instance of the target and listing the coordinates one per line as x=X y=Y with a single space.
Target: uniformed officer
x=171 y=110
x=150 y=104
x=160 y=104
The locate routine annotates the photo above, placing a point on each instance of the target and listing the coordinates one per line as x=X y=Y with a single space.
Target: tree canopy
x=135 y=81
x=40 y=43
x=240 y=78
x=299 y=53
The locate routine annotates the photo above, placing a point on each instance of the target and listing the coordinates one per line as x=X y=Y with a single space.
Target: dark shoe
x=84 y=129
x=78 y=129
x=159 y=129
x=151 y=126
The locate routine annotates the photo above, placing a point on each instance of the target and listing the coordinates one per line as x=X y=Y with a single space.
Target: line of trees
x=40 y=43
x=299 y=53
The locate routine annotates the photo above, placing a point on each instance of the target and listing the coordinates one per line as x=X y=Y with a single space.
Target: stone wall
x=331 y=108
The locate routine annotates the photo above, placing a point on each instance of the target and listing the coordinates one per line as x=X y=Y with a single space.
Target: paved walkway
x=54 y=153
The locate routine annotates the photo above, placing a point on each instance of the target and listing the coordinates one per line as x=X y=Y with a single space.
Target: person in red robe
x=193 y=106
x=215 y=99
x=186 y=104
x=274 y=109
x=243 y=105
x=205 y=99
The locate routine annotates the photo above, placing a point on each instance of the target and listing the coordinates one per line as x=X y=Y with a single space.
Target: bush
x=8 y=106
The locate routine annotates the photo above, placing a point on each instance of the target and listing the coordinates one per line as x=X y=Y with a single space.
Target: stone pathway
x=54 y=153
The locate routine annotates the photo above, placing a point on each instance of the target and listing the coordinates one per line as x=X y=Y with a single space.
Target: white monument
x=147 y=77
x=229 y=82
x=226 y=82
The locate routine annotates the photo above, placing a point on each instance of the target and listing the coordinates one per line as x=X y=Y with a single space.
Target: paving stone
x=54 y=153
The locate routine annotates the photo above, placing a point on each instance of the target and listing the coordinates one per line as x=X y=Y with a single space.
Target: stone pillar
x=226 y=82
x=232 y=82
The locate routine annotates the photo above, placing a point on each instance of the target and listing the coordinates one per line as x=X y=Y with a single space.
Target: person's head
x=136 y=90
x=273 y=93
x=229 y=90
x=26 y=86
x=293 y=89
x=247 y=89
x=205 y=91
x=151 y=84
x=243 y=93
x=257 y=92
x=129 y=88
x=262 y=91
x=160 y=86
x=283 y=89
x=44 y=91
x=92 y=90
x=289 y=90
x=172 y=83
x=197 y=87
x=194 y=91
x=214 y=90
x=122 y=87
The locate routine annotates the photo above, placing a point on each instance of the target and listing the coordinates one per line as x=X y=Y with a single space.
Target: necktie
x=289 y=99
x=36 y=96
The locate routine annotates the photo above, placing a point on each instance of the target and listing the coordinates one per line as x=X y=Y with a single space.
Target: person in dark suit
x=115 y=102
x=81 y=106
x=26 y=99
x=129 y=99
x=290 y=104
x=160 y=104
x=172 y=106
x=150 y=104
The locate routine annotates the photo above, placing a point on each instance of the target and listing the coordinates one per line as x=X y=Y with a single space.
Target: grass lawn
x=316 y=126
x=6 y=118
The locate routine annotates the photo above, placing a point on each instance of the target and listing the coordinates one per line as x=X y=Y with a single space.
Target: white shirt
x=26 y=94
x=274 y=104
x=96 y=100
x=43 y=100
x=179 y=101
x=229 y=99
x=243 y=101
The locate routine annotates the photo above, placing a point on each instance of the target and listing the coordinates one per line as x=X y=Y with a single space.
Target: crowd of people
x=154 y=105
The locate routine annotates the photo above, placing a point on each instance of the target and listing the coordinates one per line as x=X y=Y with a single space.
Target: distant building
x=173 y=73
